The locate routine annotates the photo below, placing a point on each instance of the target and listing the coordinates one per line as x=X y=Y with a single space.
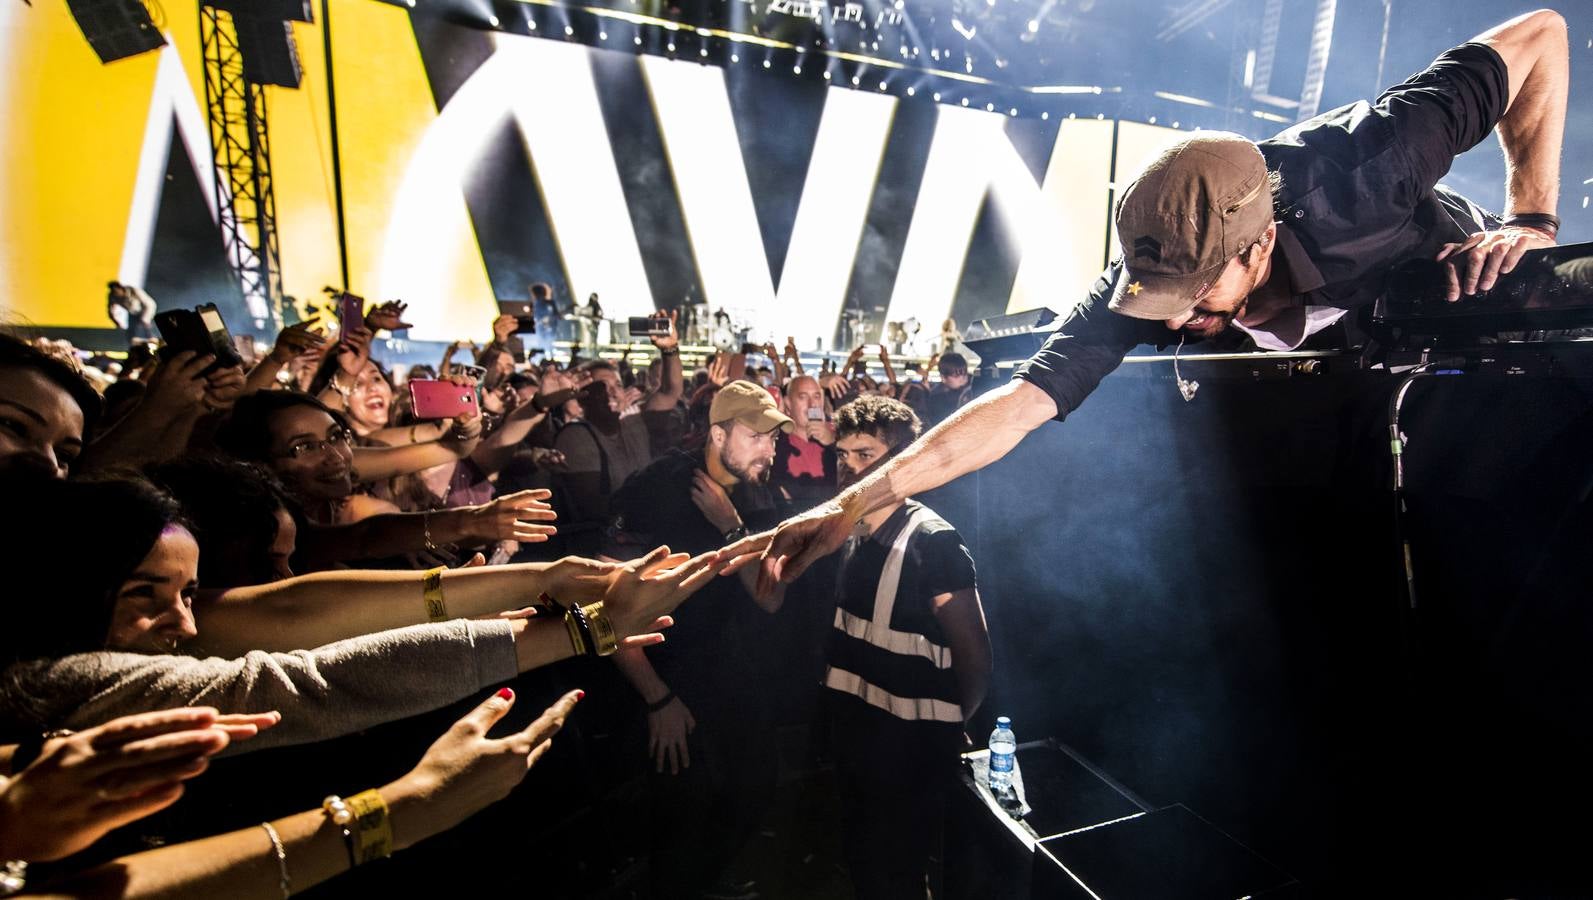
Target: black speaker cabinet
x=990 y=854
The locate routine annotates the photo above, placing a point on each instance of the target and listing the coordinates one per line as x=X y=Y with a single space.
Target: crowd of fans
x=240 y=590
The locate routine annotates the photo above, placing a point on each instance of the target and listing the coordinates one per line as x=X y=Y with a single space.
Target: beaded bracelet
x=13 y=877
x=342 y=818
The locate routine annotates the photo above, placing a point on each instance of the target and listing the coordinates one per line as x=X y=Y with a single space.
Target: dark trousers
x=892 y=776
x=703 y=816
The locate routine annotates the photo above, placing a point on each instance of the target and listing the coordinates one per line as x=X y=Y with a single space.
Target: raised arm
x=499 y=447
x=794 y=356
x=292 y=341
x=975 y=436
x=671 y=383
x=378 y=463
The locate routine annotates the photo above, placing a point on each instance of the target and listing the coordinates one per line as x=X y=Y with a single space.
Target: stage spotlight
x=670 y=47
x=493 y=21
x=937 y=96
x=568 y=31
x=965 y=101
x=637 y=40
x=1013 y=111
x=766 y=64
x=1045 y=115
x=856 y=80
x=826 y=75
x=1033 y=26
x=910 y=90
x=796 y=70
x=602 y=35
x=734 y=57
x=882 y=85
x=990 y=107
x=531 y=24
x=703 y=52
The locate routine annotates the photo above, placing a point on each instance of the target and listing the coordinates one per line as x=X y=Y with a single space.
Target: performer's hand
x=1486 y=255
x=800 y=542
x=666 y=736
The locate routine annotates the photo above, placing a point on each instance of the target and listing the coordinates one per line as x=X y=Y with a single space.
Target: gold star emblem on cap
x=1134 y=288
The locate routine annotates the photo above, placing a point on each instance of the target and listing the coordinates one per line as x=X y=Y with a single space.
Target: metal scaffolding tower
x=241 y=143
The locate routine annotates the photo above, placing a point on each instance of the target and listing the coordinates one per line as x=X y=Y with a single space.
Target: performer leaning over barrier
x=1280 y=240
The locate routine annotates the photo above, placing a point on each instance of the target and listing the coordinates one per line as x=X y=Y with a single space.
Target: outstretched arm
x=974 y=437
x=316 y=609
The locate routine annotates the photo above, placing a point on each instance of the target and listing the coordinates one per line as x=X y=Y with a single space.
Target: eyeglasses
x=337 y=437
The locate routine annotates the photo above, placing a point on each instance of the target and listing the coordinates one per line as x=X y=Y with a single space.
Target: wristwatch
x=735 y=534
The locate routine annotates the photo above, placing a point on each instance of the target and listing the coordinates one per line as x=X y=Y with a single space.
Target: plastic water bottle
x=1003 y=750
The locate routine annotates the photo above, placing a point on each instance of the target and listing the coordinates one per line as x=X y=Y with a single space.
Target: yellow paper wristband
x=373 y=830
x=431 y=591
x=602 y=629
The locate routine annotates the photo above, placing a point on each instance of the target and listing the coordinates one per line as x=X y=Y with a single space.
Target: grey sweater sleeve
x=322 y=693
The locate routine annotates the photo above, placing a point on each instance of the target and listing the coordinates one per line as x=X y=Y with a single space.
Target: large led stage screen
x=474 y=162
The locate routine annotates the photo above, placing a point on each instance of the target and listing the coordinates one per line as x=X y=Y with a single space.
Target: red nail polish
x=580 y=695
x=505 y=694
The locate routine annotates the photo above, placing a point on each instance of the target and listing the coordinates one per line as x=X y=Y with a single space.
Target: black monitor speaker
x=116 y=29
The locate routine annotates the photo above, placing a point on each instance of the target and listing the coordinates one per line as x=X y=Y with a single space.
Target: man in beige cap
x=708 y=731
x=1280 y=240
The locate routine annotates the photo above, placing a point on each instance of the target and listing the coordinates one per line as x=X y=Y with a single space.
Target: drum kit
x=723 y=329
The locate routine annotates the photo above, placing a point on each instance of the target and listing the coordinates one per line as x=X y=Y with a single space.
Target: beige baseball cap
x=1193 y=208
x=751 y=405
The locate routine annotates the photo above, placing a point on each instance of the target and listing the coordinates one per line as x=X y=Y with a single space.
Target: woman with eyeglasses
x=310 y=448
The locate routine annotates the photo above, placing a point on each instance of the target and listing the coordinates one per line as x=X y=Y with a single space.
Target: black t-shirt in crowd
x=703 y=658
x=1360 y=195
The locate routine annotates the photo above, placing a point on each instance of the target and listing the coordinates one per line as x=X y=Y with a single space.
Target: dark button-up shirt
x=1360 y=194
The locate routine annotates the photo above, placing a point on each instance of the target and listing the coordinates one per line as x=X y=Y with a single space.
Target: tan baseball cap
x=1196 y=206
x=751 y=405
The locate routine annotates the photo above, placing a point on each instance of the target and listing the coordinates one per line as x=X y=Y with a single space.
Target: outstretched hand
x=86 y=784
x=795 y=545
x=644 y=591
x=465 y=770
x=512 y=517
